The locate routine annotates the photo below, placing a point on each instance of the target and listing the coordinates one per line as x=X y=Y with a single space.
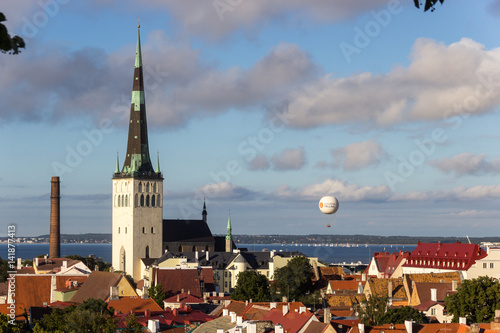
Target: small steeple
x=204 y=213
x=117 y=169
x=229 y=235
x=157 y=162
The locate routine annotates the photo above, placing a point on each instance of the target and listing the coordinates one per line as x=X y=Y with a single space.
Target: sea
x=327 y=253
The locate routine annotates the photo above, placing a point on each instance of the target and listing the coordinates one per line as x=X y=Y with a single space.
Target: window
x=433 y=311
x=153 y=201
x=118 y=229
x=125 y=229
x=140 y=187
x=485 y=265
x=143 y=230
x=147 y=200
x=142 y=200
x=492 y=265
x=147 y=187
x=152 y=230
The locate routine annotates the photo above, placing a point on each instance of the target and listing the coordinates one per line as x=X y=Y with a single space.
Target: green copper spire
x=229 y=229
x=138 y=57
x=117 y=169
x=137 y=162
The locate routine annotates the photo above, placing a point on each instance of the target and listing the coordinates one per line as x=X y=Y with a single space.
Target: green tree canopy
x=157 y=294
x=251 y=285
x=475 y=299
x=295 y=279
x=7 y=43
x=373 y=310
x=400 y=315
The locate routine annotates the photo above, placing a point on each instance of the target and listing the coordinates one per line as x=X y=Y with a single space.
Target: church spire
x=229 y=235
x=137 y=160
x=204 y=212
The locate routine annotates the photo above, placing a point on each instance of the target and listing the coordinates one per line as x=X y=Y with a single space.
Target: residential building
x=443 y=257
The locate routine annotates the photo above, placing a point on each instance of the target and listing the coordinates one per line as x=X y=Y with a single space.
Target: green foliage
x=6 y=327
x=293 y=280
x=4 y=268
x=7 y=43
x=91 y=263
x=475 y=299
x=133 y=325
x=90 y=316
x=400 y=315
x=251 y=285
x=373 y=310
x=157 y=294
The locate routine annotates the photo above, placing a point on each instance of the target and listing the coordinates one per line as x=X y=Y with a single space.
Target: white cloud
x=225 y=190
x=441 y=82
x=358 y=155
x=218 y=18
x=289 y=159
x=467 y=164
x=478 y=192
x=473 y=213
x=340 y=189
x=260 y=162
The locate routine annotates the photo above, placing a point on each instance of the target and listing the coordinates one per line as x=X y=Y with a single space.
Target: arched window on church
x=125 y=229
x=118 y=229
x=180 y=248
x=123 y=200
x=154 y=188
x=193 y=249
x=126 y=200
x=136 y=201
x=158 y=200
x=143 y=230
x=147 y=251
x=153 y=200
x=147 y=200
x=147 y=187
x=142 y=200
x=152 y=230
x=140 y=187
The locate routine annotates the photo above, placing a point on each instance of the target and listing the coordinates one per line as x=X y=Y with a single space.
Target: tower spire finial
x=138 y=23
x=117 y=170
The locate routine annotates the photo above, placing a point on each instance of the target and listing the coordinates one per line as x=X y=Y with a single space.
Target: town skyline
x=259 y=109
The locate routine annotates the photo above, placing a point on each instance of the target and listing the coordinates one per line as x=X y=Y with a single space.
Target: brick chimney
x=55 y=219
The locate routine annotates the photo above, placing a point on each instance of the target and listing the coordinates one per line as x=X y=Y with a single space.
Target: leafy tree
x=90 y=316
x=475 y=299
x=157 y=294
x=295 y=279
x=251 y=285
x=7 y=43
x=373 y=310
x=400 y=315
x=91 y=262
x=6 y=327
x=133 y=325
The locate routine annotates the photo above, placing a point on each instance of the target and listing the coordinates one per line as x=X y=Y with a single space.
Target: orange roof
x=291 y=322
x=134 y=303
x=97 y=286
x=30 y=290
x=380 y=287
x=175 y=281
x=343 y=284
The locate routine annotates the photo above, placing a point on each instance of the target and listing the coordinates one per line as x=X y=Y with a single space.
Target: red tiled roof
x=62 y=279
x=426 y=305
x=344 y=285
x=30 y=290
x=134 y=303
x=452 y=256
x=184 y=298
x=54 y=265
x=316 y=327
x=174 y=281
x=291 y=322
x=424 y=290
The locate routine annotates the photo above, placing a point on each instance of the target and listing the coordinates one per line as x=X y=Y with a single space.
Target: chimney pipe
x=55 y=219
x=434 y=294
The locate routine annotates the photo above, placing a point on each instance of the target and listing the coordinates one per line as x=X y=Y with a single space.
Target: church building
x=139 y=230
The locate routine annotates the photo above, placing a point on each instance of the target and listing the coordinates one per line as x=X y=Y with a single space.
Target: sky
x=260 y=107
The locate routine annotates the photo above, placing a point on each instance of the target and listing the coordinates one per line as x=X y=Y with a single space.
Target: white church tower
x=137 y=191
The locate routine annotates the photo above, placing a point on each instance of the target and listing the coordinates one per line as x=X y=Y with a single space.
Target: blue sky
x=262 y=107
